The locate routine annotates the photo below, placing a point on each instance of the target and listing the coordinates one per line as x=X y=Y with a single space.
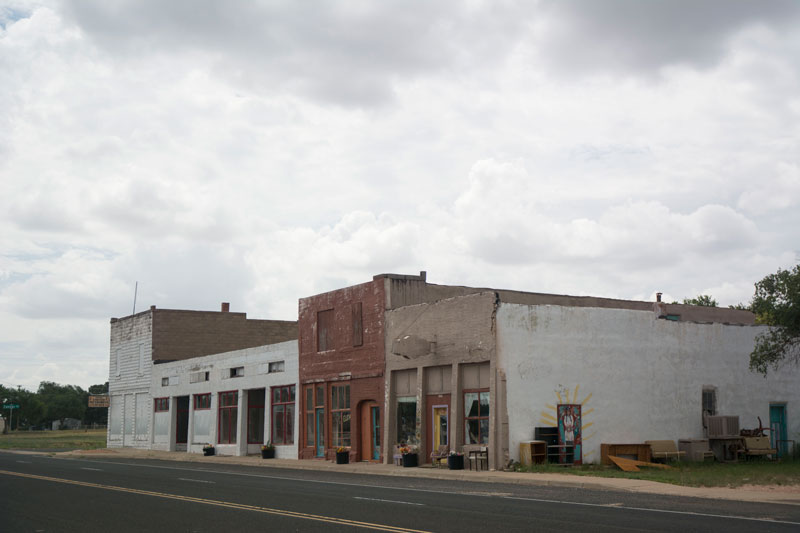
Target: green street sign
x=10 y=406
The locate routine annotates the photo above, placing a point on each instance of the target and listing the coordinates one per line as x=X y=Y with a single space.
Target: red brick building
x=341 y=347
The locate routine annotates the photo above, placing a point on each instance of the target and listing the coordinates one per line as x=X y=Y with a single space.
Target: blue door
x=376 y=433
x=320 y=437
x=777 y=428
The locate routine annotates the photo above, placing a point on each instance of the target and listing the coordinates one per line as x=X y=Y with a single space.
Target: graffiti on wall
x=569 y=415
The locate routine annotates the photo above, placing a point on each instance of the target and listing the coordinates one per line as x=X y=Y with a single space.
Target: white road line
x=195 y=480
x=645 y=509
x=602 y=505
x=93 y=469
x=387 y=501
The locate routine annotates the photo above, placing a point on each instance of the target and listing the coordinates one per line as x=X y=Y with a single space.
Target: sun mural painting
x=569 y=416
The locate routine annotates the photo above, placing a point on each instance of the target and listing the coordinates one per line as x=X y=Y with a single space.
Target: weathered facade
x=236 y=401
x=161 y=335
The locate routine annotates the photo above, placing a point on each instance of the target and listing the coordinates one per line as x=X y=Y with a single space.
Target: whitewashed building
x=236 y=401
x=625 y=376
x=139 y=341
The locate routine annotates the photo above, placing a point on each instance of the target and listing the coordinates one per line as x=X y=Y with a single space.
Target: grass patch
x=81 y=439
x=705 y=474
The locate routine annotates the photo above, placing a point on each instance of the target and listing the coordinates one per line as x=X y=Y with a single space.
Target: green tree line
x=51 y=402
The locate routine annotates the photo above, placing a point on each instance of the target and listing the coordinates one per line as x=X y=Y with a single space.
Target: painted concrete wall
x=256 y=376
x=637 y=377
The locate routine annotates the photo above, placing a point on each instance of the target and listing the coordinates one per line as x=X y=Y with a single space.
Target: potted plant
x=208 y=449
x=409 y=455
x=268 y=450
x=342 y=455
x=455 y=460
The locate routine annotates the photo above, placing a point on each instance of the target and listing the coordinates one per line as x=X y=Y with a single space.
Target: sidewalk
x=783 y=495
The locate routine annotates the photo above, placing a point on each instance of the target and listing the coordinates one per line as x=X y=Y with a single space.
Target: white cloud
x=260 y=153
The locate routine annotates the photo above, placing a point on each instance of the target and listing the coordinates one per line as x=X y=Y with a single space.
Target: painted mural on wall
x=569 y=433
x=570 y=417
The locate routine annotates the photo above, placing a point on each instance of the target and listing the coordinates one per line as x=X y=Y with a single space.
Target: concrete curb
x=783 y=495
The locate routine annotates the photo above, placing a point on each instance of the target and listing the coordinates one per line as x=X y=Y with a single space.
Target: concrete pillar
x=190 y=435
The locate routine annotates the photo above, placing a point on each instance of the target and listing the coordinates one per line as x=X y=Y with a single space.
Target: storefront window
x=340 y=415
x=228 y=413
x=476 y=417
x=283 y=414
x=407 y=420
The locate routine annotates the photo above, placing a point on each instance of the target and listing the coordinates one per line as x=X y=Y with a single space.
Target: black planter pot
x=342 y=458
x=268 y=454
x=455 y=462
x=208 y=451
x=409 y=460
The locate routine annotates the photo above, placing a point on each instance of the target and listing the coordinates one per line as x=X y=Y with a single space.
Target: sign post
x=10 y=407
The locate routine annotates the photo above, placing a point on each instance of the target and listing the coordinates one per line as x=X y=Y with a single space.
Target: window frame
x=325 y=341
x=478 y=418
x=237 y=372
x=204 y=396
x=287 y=417
x=279 y=366
x=233 y=415
x=161 y=405
x=341 y=417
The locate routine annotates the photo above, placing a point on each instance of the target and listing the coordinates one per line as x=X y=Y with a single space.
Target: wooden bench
x=665 y=449
x=758 y=446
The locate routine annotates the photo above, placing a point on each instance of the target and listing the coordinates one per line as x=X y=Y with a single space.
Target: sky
x=258 y=152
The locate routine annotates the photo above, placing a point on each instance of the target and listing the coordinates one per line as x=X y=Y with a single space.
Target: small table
x=641 y=451
x=564 y=454
x=726 y=448
x=479 y=456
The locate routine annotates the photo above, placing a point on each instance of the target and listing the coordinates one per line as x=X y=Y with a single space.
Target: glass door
x=375 y=413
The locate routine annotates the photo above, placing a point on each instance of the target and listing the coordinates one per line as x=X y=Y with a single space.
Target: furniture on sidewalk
x=398 y=456
x=664 y=449
x=439 y=455
x=532 y=452
x=726 y=449
x=757 y=447
x=642 y=451
x=478 y=456
x=696 y=449
x=561 y=454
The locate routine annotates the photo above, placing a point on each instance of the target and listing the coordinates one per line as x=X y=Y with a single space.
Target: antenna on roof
x=135 y=292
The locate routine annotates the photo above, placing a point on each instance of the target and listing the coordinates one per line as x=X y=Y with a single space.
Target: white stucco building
x=236 y=401
x=632 y=375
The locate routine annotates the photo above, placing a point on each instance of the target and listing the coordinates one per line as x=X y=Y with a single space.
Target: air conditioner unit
x=723 y=426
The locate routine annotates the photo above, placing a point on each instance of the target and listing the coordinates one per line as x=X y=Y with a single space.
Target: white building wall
x=130 y=367
x=637 y=377
x=203 y=423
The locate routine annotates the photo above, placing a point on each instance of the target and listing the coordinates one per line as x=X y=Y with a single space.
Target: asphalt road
x=41 y=493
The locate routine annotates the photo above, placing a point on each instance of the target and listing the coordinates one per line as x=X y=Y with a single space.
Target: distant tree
x=741 y=307
x=777 y=304
x=703 y=300
x=62 y=401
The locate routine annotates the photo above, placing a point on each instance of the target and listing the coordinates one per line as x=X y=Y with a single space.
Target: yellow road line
x=218 y=503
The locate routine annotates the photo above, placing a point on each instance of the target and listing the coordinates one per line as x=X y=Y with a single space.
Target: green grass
x=707 y=474
x=91 y=439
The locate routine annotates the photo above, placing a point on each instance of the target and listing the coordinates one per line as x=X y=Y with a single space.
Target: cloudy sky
x=258 y=152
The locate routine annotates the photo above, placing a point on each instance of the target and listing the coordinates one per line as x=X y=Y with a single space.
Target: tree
x=62 y=401
x=703 y=300
x=777 y=304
